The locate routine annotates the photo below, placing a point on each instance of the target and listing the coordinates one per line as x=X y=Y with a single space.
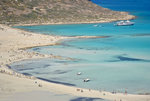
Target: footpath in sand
x=13 y=43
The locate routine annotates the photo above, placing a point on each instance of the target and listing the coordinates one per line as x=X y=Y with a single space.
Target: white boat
x=95 y=25
x=79 y=73
x=86 y=80
x=124 y=23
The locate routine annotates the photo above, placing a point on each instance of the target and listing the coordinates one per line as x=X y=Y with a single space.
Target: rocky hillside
x=55 y=11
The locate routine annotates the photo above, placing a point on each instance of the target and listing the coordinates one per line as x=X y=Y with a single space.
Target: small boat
x=124 y=23
x=79 y=73
x=95 y=25
x=86 y=80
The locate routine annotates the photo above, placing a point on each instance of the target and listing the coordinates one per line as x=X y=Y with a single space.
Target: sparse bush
x=54 y=10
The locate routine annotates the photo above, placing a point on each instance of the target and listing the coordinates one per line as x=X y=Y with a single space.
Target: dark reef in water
x=45 y=66
x=86 y=99
x=35 y=49
x=40 y=73
x=57 y=82
x=123 y=58
x=8 y=66
x=60 y=72
x=27 y=74
x=23 y=69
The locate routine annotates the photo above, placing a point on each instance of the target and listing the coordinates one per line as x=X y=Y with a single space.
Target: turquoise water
x=118 y=62
x=105 y=29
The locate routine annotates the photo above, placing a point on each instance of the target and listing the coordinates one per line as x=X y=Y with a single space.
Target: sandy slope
x=12 y=42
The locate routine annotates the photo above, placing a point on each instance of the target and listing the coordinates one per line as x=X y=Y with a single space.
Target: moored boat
x=86 y=80
x=79 y=73
x=124 y=23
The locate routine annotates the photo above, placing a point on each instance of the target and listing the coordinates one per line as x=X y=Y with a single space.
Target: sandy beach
x=13 y=43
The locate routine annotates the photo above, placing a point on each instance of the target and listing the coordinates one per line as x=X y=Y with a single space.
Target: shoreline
x=129 y=17
x=13 y=45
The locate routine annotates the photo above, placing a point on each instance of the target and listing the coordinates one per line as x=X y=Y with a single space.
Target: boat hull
x=124 y=24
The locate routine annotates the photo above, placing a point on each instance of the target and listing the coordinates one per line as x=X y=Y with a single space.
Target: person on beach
x=100 y=90
x=40 y=85
x=78 y=89
x=125 y=92
x=113 y=92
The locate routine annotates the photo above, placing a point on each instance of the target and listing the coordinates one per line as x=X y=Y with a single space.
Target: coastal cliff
x=56 y=11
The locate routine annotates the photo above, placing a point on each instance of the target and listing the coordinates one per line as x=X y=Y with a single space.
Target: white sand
x=11 y=43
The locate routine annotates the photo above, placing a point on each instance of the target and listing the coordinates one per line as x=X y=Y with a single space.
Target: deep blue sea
x=118 y=62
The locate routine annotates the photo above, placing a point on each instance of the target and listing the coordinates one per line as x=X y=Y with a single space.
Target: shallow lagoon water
x=109 y=65
x=118 y=62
